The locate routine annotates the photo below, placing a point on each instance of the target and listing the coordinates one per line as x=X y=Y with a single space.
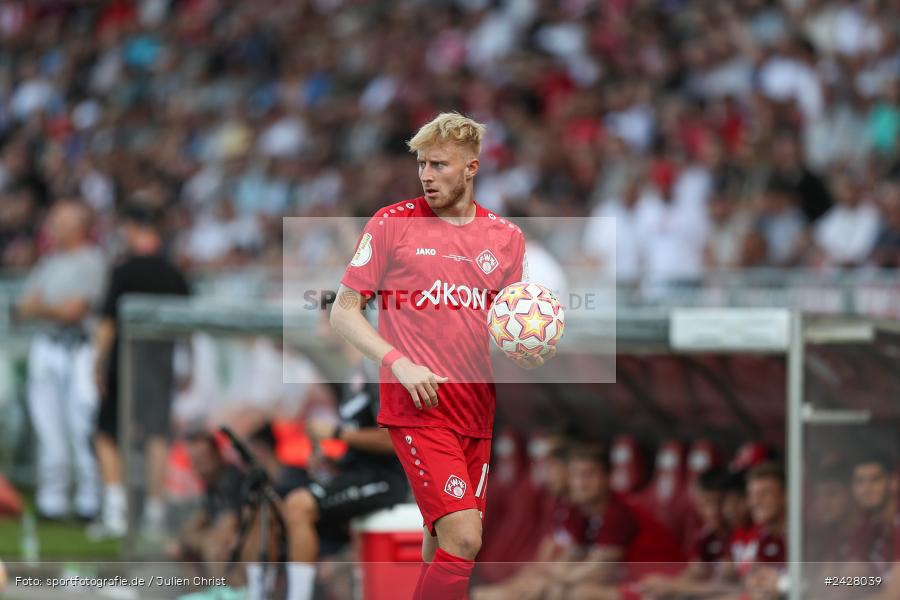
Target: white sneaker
x=102 y=530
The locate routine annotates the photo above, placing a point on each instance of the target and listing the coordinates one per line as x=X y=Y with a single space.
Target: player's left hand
x=533 y=362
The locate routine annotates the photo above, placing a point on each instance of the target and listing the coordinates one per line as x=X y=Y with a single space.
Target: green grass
x=58 y=541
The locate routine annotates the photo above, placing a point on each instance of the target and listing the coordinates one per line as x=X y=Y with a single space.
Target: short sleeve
x=519 y=268
x=94 y=281
x=372 y=256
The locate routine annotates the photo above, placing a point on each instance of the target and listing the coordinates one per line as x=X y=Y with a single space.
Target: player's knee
x=300 y=505
x=465 y=542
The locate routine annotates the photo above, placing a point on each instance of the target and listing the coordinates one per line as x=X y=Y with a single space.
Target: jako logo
x=455 y=486
x=426 y=251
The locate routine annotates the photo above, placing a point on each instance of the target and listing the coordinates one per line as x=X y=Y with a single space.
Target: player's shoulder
x=499 y=225
x=411 y=207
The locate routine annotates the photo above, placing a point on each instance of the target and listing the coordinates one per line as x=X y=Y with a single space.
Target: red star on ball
x=511 y=297
x=498 y=329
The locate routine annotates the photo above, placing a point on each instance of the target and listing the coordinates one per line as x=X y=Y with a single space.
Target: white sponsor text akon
x=451 y=294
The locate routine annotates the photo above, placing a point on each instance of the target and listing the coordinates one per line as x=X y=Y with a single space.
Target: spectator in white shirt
x=671 y=239
x=846 y=234
x=611 y=235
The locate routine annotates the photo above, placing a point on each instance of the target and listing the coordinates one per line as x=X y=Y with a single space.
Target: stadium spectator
x=709 y=547
x=847 y=232
x=208 y=536
x=62 y=292
x=672 y=234
x=144 y=271
x=791 y=173
x=677 y=82
x=781 y=226
x=886 y=251
x=611 y=233
x=730 y=225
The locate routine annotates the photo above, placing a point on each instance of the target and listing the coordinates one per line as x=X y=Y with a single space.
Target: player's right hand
x=419 y=381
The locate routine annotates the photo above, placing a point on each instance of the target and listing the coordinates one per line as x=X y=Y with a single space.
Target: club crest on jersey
x=363 y=252
x=487 y=262
x=455 y=486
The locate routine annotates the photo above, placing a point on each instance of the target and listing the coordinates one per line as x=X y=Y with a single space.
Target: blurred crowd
x=719 y=134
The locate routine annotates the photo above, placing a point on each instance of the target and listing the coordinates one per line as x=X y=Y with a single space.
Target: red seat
x=628 y=467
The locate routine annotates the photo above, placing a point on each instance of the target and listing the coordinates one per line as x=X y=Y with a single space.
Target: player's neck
x=460 y=212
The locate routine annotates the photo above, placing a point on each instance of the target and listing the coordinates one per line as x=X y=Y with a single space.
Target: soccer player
x=433 y=263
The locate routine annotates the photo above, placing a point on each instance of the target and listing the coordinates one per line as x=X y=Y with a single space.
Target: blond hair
x=449 y=127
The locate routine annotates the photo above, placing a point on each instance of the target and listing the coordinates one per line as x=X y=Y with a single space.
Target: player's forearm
x=103 y=340
x=68 y=313
x=351 y=325
x=369 y=439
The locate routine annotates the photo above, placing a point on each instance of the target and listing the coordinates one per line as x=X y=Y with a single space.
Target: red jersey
x=434 y=282
x=709 y=546
x=756 y=545
x=616 y=527
x=564 y=523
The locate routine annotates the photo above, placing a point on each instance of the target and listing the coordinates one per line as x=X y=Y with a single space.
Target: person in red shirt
x=433 y=264
x=709 y=546
x=759 y=553
x=559 y=518
x=600 y=539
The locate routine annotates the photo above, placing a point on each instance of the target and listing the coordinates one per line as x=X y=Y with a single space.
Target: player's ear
x=472 y=167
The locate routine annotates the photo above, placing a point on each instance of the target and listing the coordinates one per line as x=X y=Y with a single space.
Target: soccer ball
x=525 y=319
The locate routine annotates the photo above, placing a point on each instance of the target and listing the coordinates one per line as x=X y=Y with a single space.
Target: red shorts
x=447 y=472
